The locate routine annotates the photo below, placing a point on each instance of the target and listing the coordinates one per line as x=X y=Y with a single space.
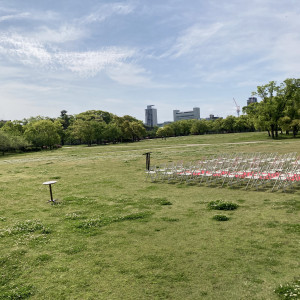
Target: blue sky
x=120 y=56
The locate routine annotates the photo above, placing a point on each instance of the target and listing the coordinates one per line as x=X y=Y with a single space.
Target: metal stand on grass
x=51 y=196
x=147 y=160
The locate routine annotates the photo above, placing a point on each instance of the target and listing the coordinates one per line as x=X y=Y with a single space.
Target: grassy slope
x=172 y=251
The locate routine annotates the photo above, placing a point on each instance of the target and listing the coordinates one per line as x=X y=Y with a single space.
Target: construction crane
x=237 y=108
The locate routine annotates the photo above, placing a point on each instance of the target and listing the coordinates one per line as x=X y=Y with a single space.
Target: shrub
x=165 y=202
x=26 y=227
x=16 y=292
x=220 y=218
x=103 y=221
x=222 y=205
x=289 y=290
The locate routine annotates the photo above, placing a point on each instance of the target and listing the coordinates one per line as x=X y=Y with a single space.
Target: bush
x=289 y=290
x=26 y=227
x=222 y=205
x=10 y=142
x=104 y=221
x=220 y=218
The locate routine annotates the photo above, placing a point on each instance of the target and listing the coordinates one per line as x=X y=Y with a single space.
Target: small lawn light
x=50 y=183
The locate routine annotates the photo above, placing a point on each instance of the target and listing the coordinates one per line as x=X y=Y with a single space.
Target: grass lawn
x=114 y=235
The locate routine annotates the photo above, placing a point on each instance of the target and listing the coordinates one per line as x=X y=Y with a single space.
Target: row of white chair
x=256 y=170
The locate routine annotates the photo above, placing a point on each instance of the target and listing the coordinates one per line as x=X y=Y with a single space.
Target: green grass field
x=114 y=235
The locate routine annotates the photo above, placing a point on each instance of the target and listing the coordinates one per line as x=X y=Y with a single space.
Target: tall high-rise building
x=150 y=116
x=186 y=115
x=251 y=100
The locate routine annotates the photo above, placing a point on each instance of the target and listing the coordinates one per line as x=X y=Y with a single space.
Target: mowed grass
x=113 y=235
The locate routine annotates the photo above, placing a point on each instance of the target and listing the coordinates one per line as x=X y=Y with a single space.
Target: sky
x=120 y=56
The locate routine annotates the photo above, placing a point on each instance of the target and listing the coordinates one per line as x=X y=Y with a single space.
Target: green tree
x=112 y=133
x=100 y=129
x=291 y=119
x=278 y=102
x=43 y=133
x=199 y=127
x=176 y=128
x=65 y=120
x=14 y=128
x=138 y=131
x=165 y=131
x=229 y=123
x=151 y=131
x=84 y=130
x=9 y=142
x=218 y=125
x=132 y=129
x=96 y=115
x=5 y=142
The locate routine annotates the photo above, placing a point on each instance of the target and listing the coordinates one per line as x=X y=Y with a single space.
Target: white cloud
x=25 y=87
x=91 y=62
x=286 y=55
x=27 y=51
x=193 y=38
x=14 y=16
x=64 y=33
x=87 y=63
x=33 y=15
x=133 y=75
x=129 y=74
x=105 y=11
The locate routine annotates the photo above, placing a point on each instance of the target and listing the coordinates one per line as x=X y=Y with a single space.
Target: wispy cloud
x=132 y=74
x=25 y=50
x=287 y=58
x=62 y=34
x=11 y=15
x=87 y=63
x=129 y=74
x=105 y=11
x=192 y=38
x=14 y=16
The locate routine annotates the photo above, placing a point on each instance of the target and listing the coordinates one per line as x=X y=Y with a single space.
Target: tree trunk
x=276 y=131
x=294 y=132
x=272 y=131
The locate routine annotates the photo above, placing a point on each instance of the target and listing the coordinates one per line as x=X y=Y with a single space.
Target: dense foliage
x=279 y=110
x=90 y=127
x=186 y=127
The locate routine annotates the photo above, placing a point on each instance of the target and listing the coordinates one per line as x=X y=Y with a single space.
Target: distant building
x=212 y=117
x=164 y=123
x=150 y=116
x=251 y=100
x=186 y=115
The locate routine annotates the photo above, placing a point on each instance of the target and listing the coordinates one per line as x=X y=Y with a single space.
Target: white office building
x=186 y=115
x=150 y=116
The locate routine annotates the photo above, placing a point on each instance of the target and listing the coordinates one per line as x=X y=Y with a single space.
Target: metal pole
x=51 y=193
x=147 y=160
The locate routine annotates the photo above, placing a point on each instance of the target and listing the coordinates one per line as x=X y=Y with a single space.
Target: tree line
x=279 y=110
x=101 y=127
x=90 y=127
x=195 y=127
